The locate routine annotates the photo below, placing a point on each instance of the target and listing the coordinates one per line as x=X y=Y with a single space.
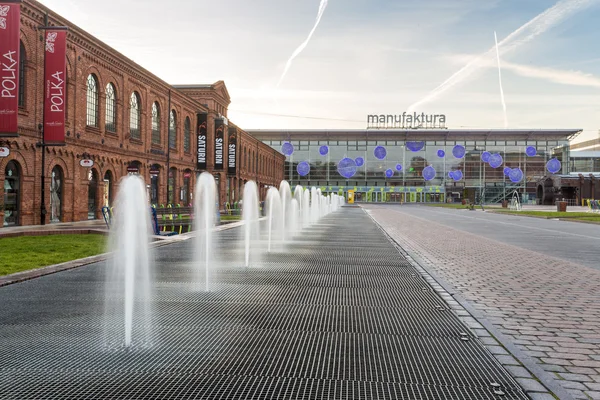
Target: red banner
x=10 y=46
x=55 y=85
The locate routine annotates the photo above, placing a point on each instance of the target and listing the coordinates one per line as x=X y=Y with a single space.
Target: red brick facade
x=108 y=139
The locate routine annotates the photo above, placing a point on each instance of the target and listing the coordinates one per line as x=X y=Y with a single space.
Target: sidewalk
x=546 y=308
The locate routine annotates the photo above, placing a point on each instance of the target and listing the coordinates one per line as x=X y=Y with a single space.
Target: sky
x=368 y=57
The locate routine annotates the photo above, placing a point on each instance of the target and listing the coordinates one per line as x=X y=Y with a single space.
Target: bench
x=171 y=220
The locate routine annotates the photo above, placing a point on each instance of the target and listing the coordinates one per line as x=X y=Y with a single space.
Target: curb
x=450 y=295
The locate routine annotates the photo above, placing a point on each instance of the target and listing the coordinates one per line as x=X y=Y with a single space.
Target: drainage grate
x=339 y=315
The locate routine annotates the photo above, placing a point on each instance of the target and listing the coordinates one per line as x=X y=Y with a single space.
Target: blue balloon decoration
x=458 y=151
x=380 y=152
x=553 y=165
x=485 y=156
x=389 y=173
x=495 y=160
x=507 y=171
x=359 y=161
x=457 y=175
x=398 y=167
x=287 y=148
x=415 y=146
x=531 y=151
x=428 y=173
x=451 y=174
x=323 y=150
x=515 y=175
x=441 y=153
x=347 y=167
x=303 y=168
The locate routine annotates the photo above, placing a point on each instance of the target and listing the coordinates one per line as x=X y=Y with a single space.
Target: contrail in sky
x=322 y=7
x=538 y=25
x=500 y=80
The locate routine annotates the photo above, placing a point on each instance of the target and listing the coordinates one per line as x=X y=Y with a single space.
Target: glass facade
x=404 y=181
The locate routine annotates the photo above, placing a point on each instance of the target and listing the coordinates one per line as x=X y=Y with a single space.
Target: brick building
x=125 y=120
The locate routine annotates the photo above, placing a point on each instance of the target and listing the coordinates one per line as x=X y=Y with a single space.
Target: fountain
x=314 y=205
x=251 y=224
x=274 y=214
x=299 y=195
x=294 y=218
x=285 y=194
x=205 y=210
x=305 y=208
x=128 y=279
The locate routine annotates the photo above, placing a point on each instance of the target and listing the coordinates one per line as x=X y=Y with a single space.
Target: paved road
x=572 y=241
x=337 y=315
x=536 y=281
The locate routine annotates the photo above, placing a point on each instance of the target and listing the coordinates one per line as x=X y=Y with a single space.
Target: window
x=155 y=123
x=187 y=134
x=22 y=61
x=111 y=108
x=173 y=129
x=92 y=101
x=134 y=116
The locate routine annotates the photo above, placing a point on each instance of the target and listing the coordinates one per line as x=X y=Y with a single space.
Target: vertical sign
x=10 y=46
x=219 y=135
x=201 y=133
x=55 y=91
x=231 y=151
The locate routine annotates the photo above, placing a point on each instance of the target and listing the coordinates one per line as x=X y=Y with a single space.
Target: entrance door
x=154 y=190
x=92 y=193
x=11 y=194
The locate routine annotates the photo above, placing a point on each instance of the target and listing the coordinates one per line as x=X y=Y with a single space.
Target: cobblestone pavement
x=547 y=307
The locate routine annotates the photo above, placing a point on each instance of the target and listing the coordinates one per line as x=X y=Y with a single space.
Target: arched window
x=111 y=108
x=135 y=116
x=155 y=123
x=92 y=100
x=173 y=129
x=22 y=60
x=187 y=135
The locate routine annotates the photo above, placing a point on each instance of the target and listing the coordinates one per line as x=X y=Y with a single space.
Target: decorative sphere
x=553 y=165
x=415 y=146
x=323 y=150
x=303 y=168
x=398 y=167
x=507 y=171
x=457 y=175
x=495 y=160
x=287 y=148
x=458 y=151
x=380 y=152
x=531 y=151
x=485 y=156
x=389 y=173
x=428 y=173
x=347 y=167
x=359 y=161
x=515 y=175
x=441 y=153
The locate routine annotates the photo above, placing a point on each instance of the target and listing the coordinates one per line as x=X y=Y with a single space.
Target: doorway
x=12 y=186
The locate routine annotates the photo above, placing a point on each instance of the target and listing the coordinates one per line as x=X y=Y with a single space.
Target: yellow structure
x=350 y=196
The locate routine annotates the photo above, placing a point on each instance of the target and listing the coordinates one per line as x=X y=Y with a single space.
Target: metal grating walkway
x=341 y=315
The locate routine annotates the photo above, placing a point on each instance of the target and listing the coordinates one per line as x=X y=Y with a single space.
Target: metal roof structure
x=415 y=134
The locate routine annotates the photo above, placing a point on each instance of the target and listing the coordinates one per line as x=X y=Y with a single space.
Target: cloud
x=554 y=15
x=322 y=7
